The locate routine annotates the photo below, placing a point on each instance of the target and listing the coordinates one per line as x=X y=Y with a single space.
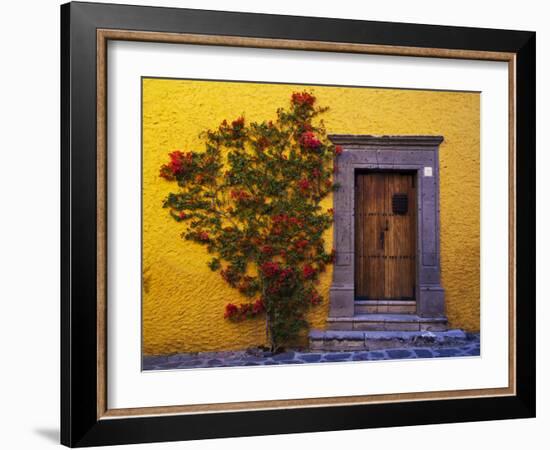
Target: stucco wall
x=183 y=301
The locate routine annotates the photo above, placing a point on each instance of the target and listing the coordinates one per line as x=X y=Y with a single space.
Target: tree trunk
x=268 y=333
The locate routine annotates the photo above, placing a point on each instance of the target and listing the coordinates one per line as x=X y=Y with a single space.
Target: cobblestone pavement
x=256 y=357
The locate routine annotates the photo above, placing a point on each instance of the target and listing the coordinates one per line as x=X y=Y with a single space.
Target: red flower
x=177 y=164
x=302 y=98
x=315 y=298
x=308 y=271
x=182 y=215
x=230 y=310
x=280 y=218
x=296 y=221
x=304 y=184
x=285 y=273
x=270 y=269
x=267 y=249
x=309 y=140
x=203 y=236
x=238 y=123
x=338 y=149
x=244 y=310
x=301 y=244
x=284 y=219
x=258 y=306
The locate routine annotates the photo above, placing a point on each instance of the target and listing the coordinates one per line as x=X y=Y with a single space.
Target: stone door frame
x=417 y=154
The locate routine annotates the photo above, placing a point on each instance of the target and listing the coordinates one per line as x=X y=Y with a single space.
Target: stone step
x=330 y=340
x=385 y=306
x=387 y=322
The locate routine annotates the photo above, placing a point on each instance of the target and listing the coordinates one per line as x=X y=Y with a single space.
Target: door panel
x=385 y=240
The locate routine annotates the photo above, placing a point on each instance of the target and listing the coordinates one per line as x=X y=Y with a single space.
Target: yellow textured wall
x=183 y=301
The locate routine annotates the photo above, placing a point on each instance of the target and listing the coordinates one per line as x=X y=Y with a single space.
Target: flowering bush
x=252 y=197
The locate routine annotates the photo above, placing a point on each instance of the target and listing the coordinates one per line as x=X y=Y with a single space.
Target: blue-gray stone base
x=470 y=346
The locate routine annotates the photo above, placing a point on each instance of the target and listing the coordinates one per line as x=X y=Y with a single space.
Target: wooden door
x=385 y=236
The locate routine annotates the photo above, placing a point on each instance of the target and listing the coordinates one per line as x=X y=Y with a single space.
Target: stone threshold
x=387 y=322
x=388 y=318
x=332 y=340
x=385 y=306
x=385 y=302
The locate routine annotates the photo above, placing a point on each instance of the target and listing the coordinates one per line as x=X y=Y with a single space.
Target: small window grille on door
x=400 y=204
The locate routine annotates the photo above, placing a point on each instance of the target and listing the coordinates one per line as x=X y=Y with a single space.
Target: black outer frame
x=79 y=424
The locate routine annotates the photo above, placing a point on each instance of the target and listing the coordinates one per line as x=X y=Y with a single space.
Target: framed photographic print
x=277 y=224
